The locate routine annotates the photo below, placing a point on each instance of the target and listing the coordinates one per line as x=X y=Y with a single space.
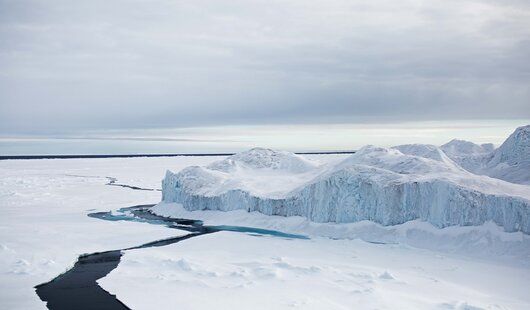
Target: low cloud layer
x=73 y=66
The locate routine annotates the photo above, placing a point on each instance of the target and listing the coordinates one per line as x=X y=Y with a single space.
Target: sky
x=212 y=75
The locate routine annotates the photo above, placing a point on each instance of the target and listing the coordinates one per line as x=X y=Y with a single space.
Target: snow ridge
x=261 y=158
x=427 y=151
x=458 y=147
x=510 y=162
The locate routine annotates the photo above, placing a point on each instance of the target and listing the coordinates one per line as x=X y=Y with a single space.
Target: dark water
x=112 y=182
x=141 y=213
x=77 y=288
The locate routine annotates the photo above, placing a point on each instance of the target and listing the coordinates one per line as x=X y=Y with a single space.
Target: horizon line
x=82 y=156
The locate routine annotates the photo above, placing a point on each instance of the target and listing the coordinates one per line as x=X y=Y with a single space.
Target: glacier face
x=378 y=184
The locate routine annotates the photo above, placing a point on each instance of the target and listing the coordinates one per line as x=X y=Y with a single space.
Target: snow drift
x=385 y=185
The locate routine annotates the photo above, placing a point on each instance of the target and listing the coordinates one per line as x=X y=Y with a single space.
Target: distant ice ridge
x=510 y=162
x=458 y=147
x=385 y=185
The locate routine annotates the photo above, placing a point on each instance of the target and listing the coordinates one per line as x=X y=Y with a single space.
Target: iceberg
x=386 y=185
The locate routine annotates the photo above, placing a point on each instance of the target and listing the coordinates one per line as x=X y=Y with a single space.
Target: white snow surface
x=237 y=271
x=385 y=185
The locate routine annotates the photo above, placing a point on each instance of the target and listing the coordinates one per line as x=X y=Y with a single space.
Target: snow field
x=238 y=271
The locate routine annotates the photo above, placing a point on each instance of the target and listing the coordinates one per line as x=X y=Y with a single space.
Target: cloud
x=73 y=66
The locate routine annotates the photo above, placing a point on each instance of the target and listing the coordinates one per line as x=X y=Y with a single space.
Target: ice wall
x=355 y=194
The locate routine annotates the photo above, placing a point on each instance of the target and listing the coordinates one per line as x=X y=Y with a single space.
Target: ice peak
x=264 y=158
x=405 y=160
x=458 y=147
x=423 y=150
x=515 y=149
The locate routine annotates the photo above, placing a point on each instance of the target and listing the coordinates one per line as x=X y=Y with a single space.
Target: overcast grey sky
x=72 y=66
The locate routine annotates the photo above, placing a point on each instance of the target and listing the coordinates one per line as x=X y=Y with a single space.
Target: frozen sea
x=44 y=227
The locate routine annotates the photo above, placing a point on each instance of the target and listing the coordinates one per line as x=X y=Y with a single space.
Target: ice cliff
x=385 y=185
